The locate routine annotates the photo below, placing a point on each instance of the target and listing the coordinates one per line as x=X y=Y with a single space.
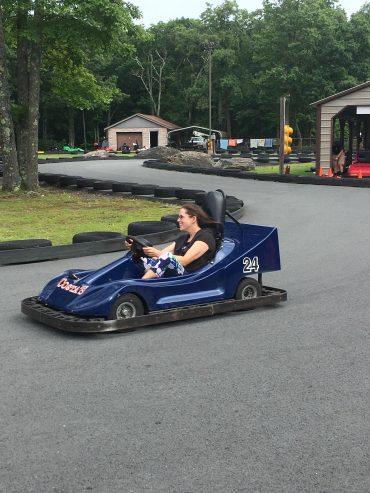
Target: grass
x=71 y=156
x=295 y=168
x=58 y=215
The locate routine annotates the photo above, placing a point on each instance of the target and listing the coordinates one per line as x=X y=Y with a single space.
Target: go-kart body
x=360 y=165
x=82 y=300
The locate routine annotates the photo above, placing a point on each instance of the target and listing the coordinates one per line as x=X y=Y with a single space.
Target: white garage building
x=144 y=130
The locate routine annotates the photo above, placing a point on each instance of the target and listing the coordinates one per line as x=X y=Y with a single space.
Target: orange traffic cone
x=330 y=173
x=320 y=171
x=359 y=174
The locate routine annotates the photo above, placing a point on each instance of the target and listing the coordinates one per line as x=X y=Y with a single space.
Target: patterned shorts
x=166 y=261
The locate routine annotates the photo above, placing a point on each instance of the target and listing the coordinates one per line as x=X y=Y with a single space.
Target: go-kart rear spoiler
x=69 y=323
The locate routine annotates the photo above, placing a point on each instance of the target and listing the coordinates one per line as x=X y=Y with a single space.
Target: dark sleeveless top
x=182 y=245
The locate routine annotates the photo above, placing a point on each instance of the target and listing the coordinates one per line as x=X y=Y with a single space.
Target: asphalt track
x=272 y=400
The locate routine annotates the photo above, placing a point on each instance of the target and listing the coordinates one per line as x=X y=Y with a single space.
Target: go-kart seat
x=214 y=204
x=363 y=156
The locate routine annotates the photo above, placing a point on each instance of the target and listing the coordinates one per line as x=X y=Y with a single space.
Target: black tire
x=85 y=182
x=165 y=192
x=127 y=306
x=65 y=181
x=123 y=186
x=43 y=176
x=185 y=193
x=234 y=205
x=247 y=175
x=102 y=185
x=248 y=288
x=183 y=168
x=171 y=218
x=143 y=189
x=96 y=236
x=199 y=198
x=22 y=244
x=53 y=179
x=145 y=227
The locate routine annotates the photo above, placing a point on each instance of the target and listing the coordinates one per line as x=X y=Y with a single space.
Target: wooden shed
x=144 y=130
x=344 y=117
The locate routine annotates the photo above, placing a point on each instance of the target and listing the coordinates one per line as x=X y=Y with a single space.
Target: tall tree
x=40 y=25
x=297 y=51
x=11 y=178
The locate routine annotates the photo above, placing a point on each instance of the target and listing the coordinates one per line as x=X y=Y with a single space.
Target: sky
x=155 y=11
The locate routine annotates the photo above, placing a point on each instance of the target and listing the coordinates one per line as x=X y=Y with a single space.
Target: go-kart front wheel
x=127 y=306
x=248 y=288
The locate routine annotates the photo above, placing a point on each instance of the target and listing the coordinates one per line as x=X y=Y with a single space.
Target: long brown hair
x=203 y=219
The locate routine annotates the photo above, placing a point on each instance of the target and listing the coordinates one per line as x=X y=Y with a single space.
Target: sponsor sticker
x=72 y=288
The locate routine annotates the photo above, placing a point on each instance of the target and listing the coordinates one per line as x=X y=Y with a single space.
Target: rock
x=98 y=153
x=192 y=158
x=162 y=153
x=246 y=164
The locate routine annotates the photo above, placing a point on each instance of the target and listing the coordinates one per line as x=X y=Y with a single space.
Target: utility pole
x=210 y=95
x=282 y=124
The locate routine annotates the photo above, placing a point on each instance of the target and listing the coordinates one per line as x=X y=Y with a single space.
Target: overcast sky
x=155 y=11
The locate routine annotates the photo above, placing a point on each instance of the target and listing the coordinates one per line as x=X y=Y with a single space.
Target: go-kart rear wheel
x=248 y=288
x=127 y=306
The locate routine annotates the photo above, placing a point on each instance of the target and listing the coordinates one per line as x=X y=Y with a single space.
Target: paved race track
x=272 y=400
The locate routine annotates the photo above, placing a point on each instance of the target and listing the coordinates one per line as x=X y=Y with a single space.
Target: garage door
x=129 y=138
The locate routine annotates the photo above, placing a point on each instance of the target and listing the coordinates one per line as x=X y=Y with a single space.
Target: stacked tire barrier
x=249 y=175
x=97 y=242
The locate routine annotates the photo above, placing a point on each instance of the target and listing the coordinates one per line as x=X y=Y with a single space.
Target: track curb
x=250 y=175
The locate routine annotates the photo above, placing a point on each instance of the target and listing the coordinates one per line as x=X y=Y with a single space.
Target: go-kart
x=360 y=165
x=114 y=298
x=73 y=150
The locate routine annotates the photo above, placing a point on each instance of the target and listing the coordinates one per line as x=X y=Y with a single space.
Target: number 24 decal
x=250 y=265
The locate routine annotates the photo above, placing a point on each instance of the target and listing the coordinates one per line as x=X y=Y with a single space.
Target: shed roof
x=342 y=93
x=150 y=118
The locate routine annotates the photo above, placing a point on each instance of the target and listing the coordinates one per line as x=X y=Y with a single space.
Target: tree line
x=70 y=68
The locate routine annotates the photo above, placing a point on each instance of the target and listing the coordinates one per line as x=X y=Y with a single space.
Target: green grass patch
x=58 y=215
x=295 y=168
x=70 y=155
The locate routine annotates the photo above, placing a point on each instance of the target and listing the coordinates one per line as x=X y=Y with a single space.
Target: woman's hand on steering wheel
x=151 y=251
x=137 y=245
x=128 y=243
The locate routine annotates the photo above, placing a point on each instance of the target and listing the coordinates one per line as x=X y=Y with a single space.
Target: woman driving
x=189 y=252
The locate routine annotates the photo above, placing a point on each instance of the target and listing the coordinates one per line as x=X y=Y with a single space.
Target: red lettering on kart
x=67 y=286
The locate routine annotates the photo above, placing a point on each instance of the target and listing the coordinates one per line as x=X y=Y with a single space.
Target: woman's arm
x=154 y=252
x=195 y=251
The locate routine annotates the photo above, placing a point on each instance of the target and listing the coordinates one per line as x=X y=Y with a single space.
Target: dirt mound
x=192 y=158
x=99 y=153
x=244 y=163
x=162 y=153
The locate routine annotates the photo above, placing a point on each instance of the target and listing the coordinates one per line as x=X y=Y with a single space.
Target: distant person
x=339 y=159
x=125 y=148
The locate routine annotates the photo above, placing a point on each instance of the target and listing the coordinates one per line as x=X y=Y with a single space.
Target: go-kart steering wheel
x=137 y=245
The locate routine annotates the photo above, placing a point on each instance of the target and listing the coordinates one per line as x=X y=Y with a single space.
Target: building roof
x=180 y=129
x=150 y=118
x=342 y=93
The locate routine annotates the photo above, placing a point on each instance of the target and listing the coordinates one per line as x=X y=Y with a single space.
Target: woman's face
x=185 y=221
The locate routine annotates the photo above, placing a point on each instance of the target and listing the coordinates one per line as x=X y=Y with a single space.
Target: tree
x=73 y=27
x=11 y=178
x=298 y=50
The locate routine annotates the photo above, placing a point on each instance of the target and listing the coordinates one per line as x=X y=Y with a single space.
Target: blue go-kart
x=114 y=298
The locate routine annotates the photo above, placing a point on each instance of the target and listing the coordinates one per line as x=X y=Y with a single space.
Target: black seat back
x=364 y=156
x=214 y=204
